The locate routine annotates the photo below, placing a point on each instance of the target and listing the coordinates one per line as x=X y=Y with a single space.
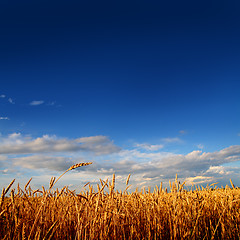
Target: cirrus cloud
x=36 y=103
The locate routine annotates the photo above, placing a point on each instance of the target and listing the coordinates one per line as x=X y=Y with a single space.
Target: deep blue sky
x=138 y=72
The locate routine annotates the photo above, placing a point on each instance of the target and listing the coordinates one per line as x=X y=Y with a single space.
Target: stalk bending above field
x=52 y=182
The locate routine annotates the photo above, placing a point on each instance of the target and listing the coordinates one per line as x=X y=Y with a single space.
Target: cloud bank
x=147 y=163
x=17 y=144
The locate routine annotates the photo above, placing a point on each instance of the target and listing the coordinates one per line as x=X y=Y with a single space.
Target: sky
x=147 y=88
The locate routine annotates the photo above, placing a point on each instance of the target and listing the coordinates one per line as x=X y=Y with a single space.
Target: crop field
x=106 y=213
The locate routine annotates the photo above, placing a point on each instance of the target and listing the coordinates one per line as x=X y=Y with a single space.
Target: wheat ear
x=71 y=168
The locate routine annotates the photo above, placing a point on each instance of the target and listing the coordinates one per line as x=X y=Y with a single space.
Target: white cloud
x=217 y=169
x=149 y=147
x=198 y=180
x=171 y=140
x=4 y=118
x=17 y=144
x=197 y=166
x=147 y=164
x=11 y=101
x=36 y=103
x=55 y=163
x=2 y=96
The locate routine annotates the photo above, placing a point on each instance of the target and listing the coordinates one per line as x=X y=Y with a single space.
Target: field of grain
x=106 y=213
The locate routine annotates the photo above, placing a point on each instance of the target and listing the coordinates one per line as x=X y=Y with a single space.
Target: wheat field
x=106 y=213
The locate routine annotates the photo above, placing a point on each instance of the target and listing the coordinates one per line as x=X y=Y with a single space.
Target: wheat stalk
x=71 y=168
x=113 y=181
x=52 y=183
x=127 y=181
x=204 y=213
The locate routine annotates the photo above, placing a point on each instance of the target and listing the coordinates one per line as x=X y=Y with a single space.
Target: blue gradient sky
x=153 y=84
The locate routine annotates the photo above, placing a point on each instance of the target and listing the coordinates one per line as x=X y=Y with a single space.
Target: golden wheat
x=105 y=213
